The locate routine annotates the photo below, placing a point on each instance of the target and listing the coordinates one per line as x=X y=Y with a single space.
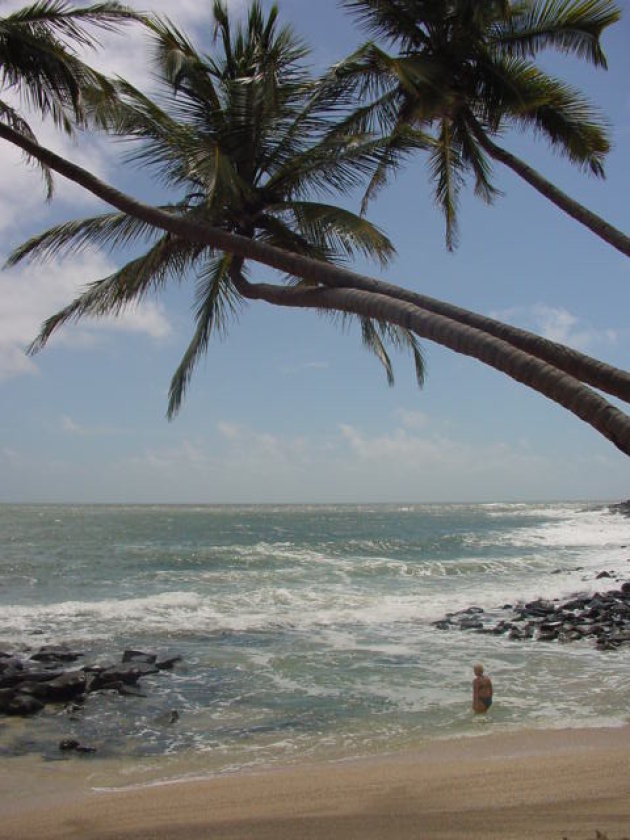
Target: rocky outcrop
x=621 y=507
x=30 y=681
x=603 y=617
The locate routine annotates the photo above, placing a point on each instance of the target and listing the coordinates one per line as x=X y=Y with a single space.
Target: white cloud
x=13 y=361
x=244 y=464
x=412 y=419
x=427 y=465
x=161 y=463
x=147 y=317
x=260 y=449
x=70 y=427
x=560 y=325
x=33 y=292
x=231 y=431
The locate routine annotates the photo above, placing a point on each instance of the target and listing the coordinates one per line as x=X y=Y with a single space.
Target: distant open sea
x=305 y=631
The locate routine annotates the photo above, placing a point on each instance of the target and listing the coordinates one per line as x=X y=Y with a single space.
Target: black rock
x=540 y=607
x=56 y=653
x=167 y=664
x=114 y=676
x=621 y=507
x=22 y=705
x=443 y=624
x=66 y=687
x=604 y=616
x=71 y=744
x=139 y=656
x=471 y=624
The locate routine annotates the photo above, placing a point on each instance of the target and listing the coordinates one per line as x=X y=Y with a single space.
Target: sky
x=289 y=408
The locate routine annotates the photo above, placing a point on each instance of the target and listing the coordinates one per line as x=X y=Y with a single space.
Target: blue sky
x=289 y=408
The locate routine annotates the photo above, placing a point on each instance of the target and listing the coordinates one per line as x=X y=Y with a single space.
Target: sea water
x=306 y=632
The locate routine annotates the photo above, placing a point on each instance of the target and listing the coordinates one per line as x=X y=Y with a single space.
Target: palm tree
x=336 y=289
x=244 y=140
x=465 y=72
x=39 y=62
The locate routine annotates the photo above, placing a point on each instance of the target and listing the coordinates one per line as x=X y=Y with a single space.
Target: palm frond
x=445 y=164
x=12 y=118
x=38 y=55
x=69 y=21
x=525 y=95
x=376 y=335
x=392 y=20
x=373 y=342
x=169 y=257
x=394 y=150
x=340 y=231
x=474 y=158
x=110 y=230
x=570 y=26
x=216 y=304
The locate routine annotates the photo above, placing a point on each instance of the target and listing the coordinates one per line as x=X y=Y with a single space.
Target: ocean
x=305 y=631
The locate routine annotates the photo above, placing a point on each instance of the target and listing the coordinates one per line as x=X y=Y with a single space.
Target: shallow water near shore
x=305 y=632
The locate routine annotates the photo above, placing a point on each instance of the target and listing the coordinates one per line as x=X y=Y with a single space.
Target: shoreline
x=508 y=785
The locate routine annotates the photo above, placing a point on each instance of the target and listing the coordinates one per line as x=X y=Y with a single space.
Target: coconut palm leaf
x=244 y=138
x=446 y=167
x=473 y=77
x=38 y=58
x=551 y=107
x=391 y=19
x=39 y=64
x=111 y=230
x=563 y=25
x=9 y=116
x=377 y=333
x=169 y=258
x=342 y=232
x=216 y=304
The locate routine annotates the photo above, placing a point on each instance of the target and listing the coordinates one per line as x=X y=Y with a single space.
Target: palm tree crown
x=245 y=143
x=465 y=71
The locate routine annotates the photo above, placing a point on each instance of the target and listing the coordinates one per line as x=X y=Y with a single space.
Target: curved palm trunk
x=459 y=336
x=554 y=384
x=600 y=227
x=605 y=377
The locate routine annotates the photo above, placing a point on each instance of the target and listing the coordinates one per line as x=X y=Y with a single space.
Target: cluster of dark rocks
x=603 y=617
x=29 y=681
x=622 y=508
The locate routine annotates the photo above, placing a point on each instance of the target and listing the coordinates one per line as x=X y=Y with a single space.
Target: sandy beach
x=529 y=784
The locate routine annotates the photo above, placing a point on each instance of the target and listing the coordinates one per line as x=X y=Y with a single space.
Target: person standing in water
x=482 y=691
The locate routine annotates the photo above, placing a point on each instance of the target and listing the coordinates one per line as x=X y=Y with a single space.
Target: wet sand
x=530 y=784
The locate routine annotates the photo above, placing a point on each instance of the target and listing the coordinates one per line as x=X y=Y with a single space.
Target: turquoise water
x=305 y=631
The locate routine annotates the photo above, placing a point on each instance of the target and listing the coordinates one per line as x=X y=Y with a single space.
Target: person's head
x=478 y=669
